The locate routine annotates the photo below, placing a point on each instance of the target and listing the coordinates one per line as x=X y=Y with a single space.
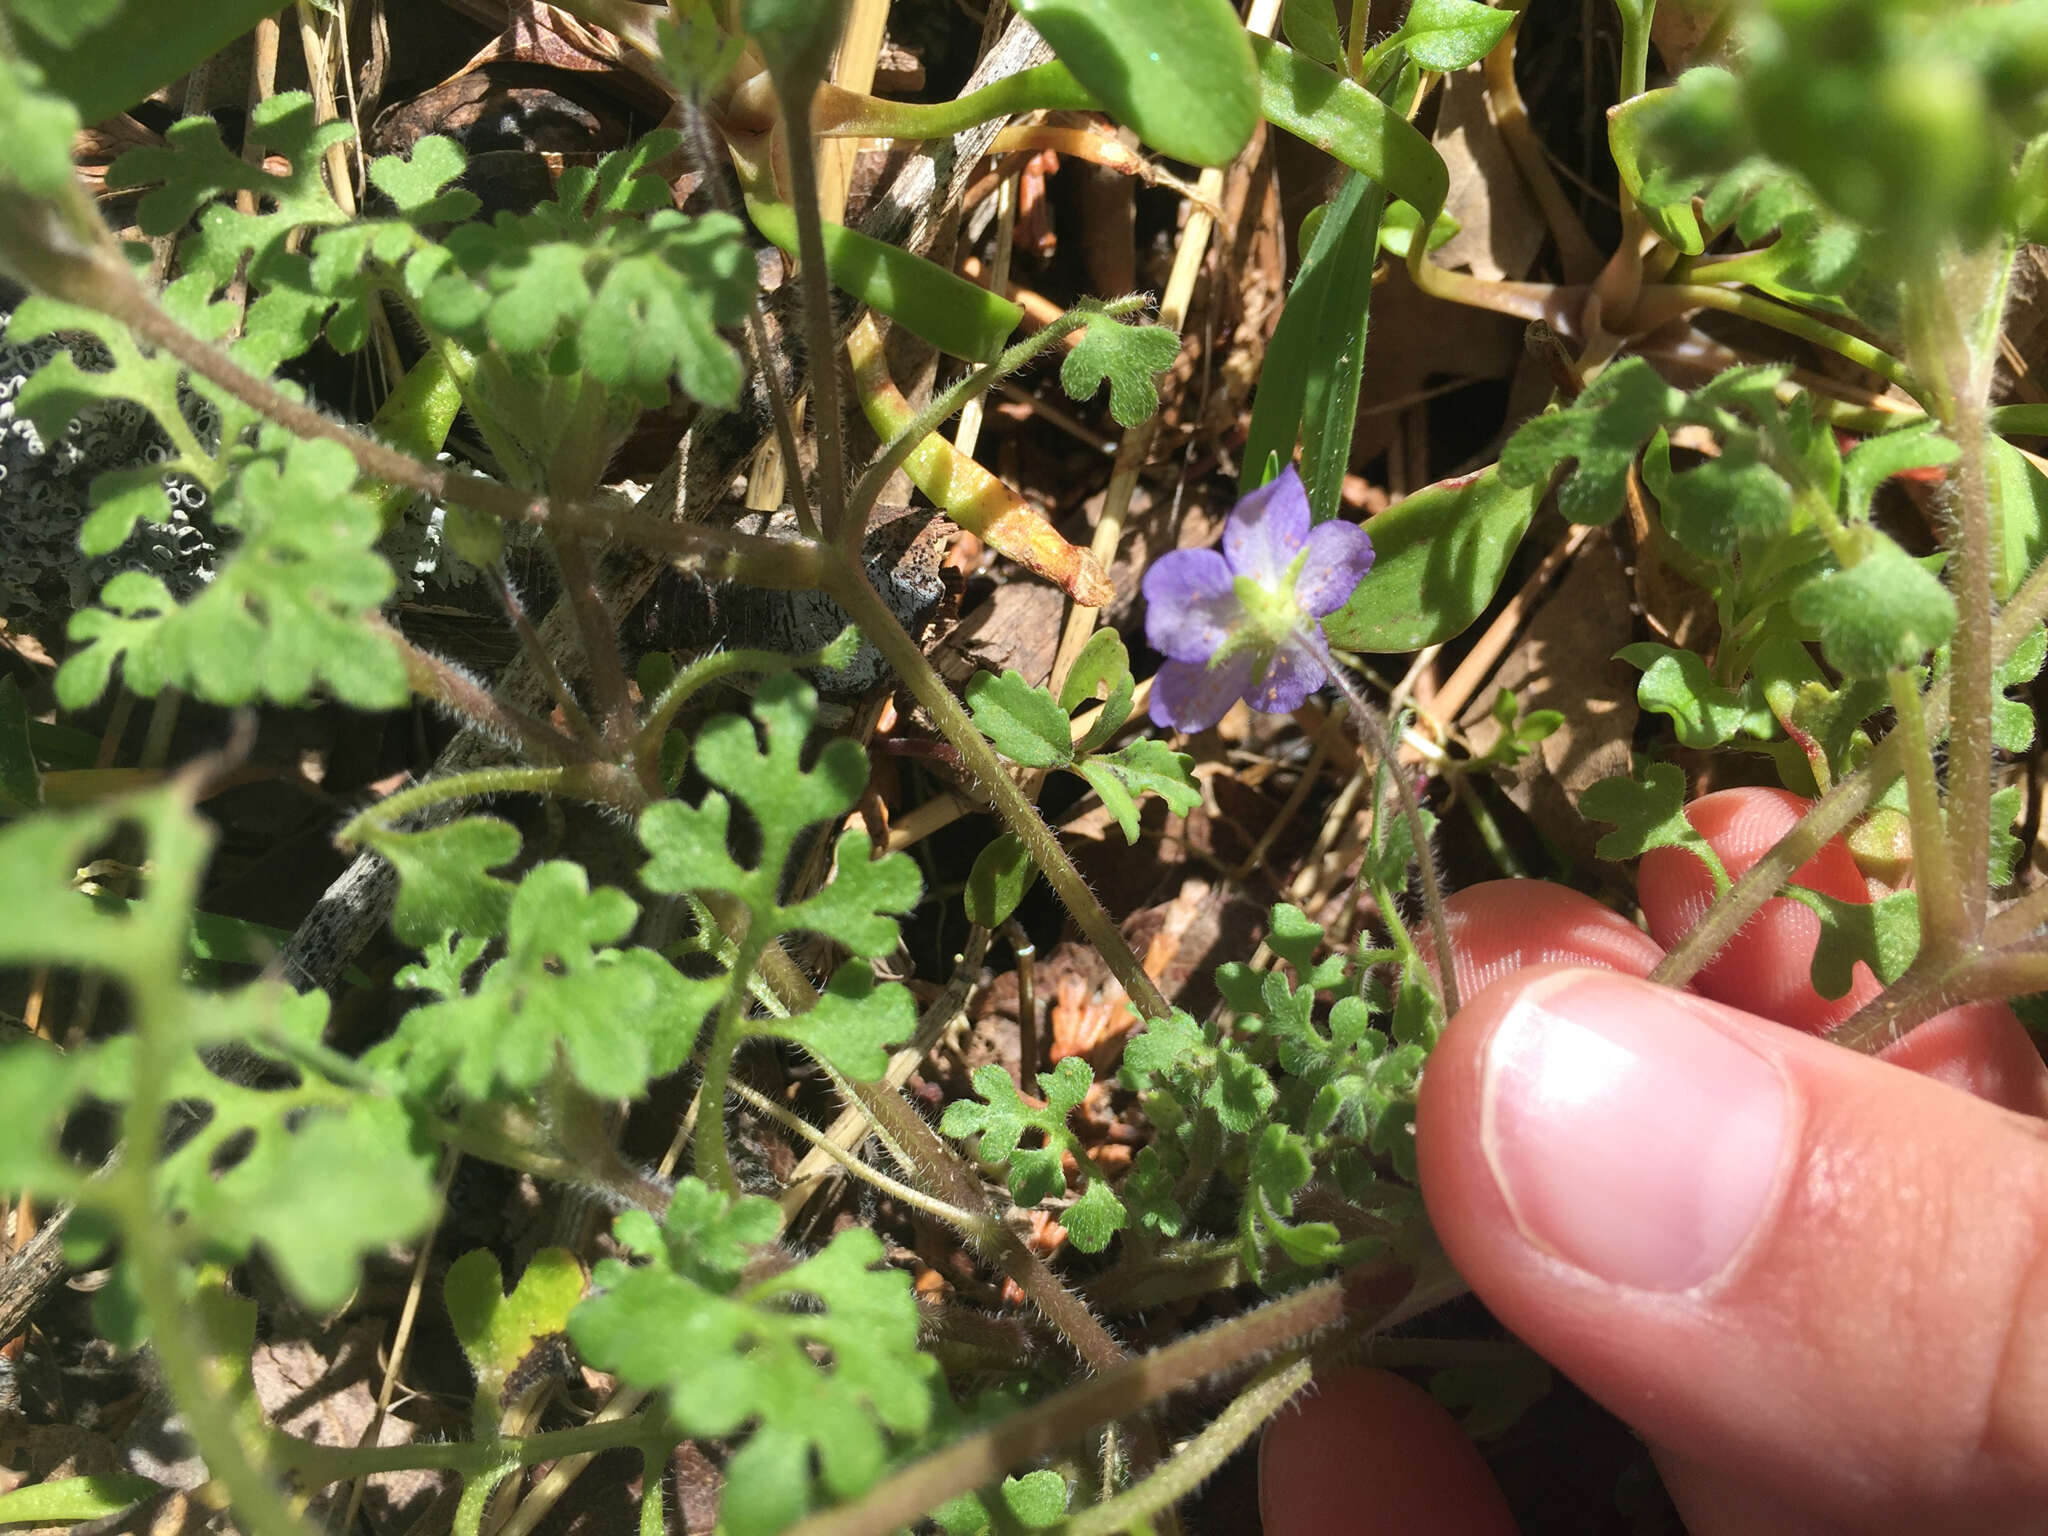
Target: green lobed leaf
x=443 y=880
x=290 y=610
x=1129 y=357
x=616 y=1017
x=1145 y=767
x=499 y=1329
x=1037 y=1500
x=852 y=1025
x=2012 y=720
x=236 y=1177
x=1722 y=503
x=853 y=1020
x=1647 y=813
x=1024 y=723
x=1001 y=1117
x=1102 y=666
x=417 y=181
x=1178 y=72
x=1876 y=459
x=1824 y=720
x=1885 y=611
x=1296 y=937
x=1600 y=432
x=1883 y=934
x=2006 y=848
x=816 y=1359
x=1438 y=558
x=1677 y=684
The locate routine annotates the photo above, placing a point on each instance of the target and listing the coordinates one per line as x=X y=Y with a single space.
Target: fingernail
x=1630 y=1136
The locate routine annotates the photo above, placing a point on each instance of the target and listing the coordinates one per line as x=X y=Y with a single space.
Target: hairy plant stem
x=689 y=682
x=2019 y=921
x=1840 y=805
x=819 y=337
x=599 y=635
x=711 y=1156
x=847 y=582
x=1944 y=926
x=717 y=554
x=927 y=1155
x=1962 y=382
x=319 y=1465
x=975 y=1224
x=1138 y=1382
x=394 y=808
x=1375 y=734
x=463 y=696
x=1921 y=994
x=536 y=652
x=868 y=489
x=712 y=169
x=1271 y=1390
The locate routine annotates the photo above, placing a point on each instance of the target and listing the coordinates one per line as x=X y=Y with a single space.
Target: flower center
x=1270 y=611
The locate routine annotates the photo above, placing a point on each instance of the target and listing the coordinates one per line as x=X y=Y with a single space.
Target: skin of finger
x=1765 y=969
x=1500 y=927
x=1981 y=1048
x=1878 y=1351
x=1369 y=1453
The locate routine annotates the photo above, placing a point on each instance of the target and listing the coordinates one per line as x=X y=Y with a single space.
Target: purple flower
x=1246 y=623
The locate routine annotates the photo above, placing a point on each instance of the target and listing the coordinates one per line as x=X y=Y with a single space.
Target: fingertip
x=1742 y=1240
x=1369 y=1453
x=1766 y=969
x=1500 y=927
x=1983 y=1049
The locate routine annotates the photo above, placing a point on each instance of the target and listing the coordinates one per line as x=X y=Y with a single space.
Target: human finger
x=1368 y=1453
x=1766 y=968
x=1820 y=1275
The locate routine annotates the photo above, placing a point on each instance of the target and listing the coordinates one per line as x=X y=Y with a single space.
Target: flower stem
x=1271 y=1390
x=1376 y=738
x=1944 y=924
x=1960 y=383
x=847 y=582
x=922 y=1486
x=1662 y=302
x=713 y=1159
x=1841 y=805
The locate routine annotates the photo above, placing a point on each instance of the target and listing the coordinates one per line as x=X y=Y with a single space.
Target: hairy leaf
x=1647 y=813
x=1129 y=357
x=813 y=1359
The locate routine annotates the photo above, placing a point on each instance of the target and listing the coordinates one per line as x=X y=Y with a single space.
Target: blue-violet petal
x=1187 y=696
x=1268 y=528
x=1190 y=604
x=1291 y=676
x=1339 y=555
